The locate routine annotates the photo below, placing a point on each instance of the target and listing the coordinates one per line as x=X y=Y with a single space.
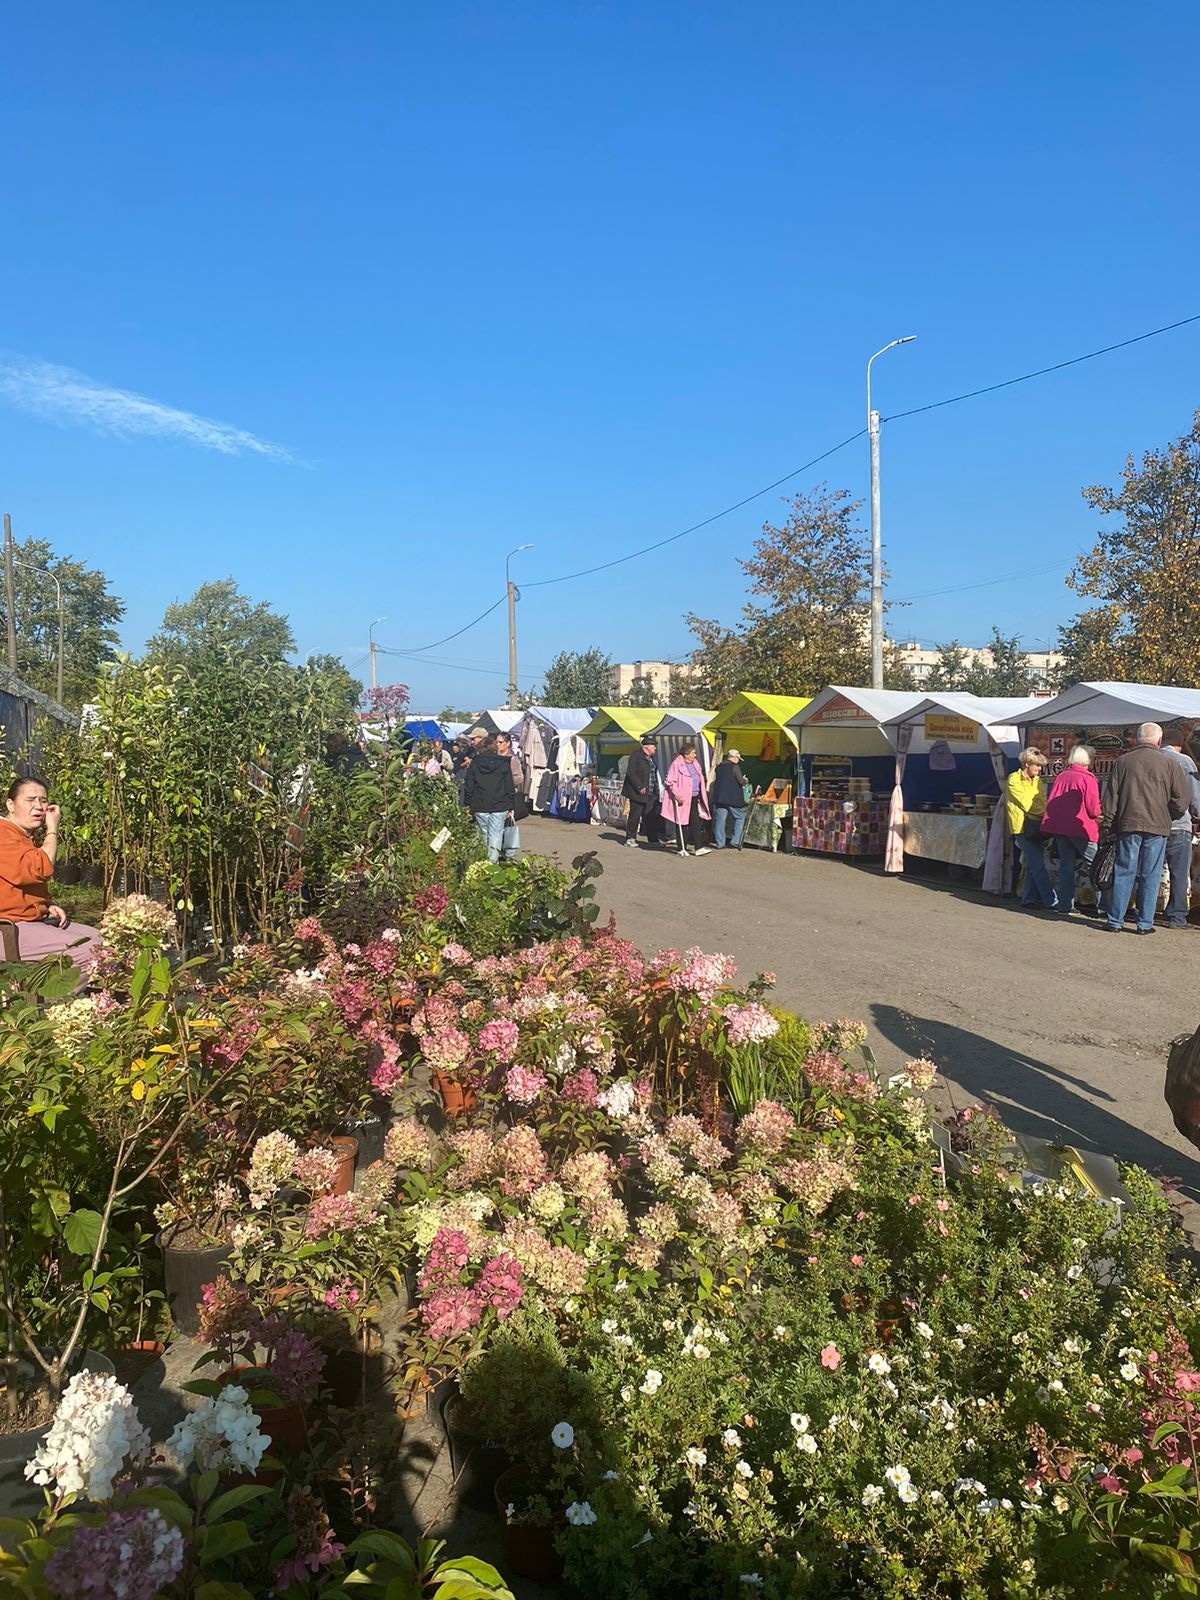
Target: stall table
x=947 y=836
x=839 y=827
x=763 y=821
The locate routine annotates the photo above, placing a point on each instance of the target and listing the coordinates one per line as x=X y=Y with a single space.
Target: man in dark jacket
x=1179 y=841
x=728 y=799
x=1145 y=793
x=643 y=789
x=489 y=794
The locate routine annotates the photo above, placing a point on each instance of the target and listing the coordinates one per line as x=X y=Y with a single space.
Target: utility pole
x=873 y=421
x=511 y=590
x=54 y=579
x=9 y=596
x=373 y=647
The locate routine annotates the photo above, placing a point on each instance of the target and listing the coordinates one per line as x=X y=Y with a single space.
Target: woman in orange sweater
x=26 y=869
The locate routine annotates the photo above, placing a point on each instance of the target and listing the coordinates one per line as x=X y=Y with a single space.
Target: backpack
x=1182 y=1089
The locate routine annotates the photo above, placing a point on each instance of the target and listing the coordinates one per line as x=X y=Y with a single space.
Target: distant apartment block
x=625 y=673
x=922 y=659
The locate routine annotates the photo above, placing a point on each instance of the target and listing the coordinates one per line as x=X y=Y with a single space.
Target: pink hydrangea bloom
x=582 y=1087
x=749 y=1024
x=499 y=1038
x=523 y=1086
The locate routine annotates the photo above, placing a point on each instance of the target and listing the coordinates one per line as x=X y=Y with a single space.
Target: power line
x=416 y=650
x=1041 y=372
x=716 y=517
x=983 y=583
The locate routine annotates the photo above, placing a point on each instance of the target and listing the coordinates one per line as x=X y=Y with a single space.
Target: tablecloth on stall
x=826 y=825
x=608 y=803
x=763 y=818
x=944 y=836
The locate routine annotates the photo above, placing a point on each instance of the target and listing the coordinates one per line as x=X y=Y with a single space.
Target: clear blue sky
x=579 y=274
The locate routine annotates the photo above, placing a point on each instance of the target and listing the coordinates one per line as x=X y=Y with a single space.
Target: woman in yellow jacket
x=1025 y=797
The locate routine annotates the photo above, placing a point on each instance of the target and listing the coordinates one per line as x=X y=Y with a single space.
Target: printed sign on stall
x=842 y=709
x=954 y=729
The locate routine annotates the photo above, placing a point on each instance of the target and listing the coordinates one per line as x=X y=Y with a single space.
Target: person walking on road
x=1072 y=819
x=489 y=794
x=729 y=801
x=1179 y=840
x=643 y=789
x=1146 y=792
x=1025 y=797
x=685 y=802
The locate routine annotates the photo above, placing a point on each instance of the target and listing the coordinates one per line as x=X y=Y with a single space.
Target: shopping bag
x=511 y=842
x=1101 y=869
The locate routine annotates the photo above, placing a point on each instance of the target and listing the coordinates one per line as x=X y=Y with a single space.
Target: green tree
x=219 y=616
x=952 y=668
x=578 y=678
x=1145 y=627
x=642 y=693
x=90 y=615
x=1009 y=672
x=810 y=625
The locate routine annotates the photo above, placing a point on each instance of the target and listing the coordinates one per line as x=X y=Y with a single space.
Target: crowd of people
x=678 y=807
x=1118 y=839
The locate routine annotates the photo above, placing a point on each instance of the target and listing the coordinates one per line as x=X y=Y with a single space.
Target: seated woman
x=25 y=870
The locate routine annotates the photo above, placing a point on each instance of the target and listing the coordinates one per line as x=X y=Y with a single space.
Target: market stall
x=612 y=734
x=551 y=742
x=1106 y=716
x=688 y=725
x=845 y=769
x=953 y=754
x=756 y=725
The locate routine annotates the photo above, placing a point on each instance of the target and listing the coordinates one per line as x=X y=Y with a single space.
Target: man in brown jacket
x=1145 y=793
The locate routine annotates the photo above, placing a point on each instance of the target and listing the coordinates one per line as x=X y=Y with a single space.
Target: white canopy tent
x=972 y=724
x=1093 y=705
x=849 y=721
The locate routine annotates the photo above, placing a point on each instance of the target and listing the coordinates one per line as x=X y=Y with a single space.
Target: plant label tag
x=440 y=840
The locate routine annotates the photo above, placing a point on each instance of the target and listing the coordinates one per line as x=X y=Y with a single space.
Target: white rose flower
x=872 y=1495
x=695 y=1457
x=652 y=1382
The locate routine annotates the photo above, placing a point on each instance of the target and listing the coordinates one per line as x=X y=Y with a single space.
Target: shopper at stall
x=1072 y=820
x=1146 y=792
x=642 y=788
x=729 y=801
x=1179 y=840
x=1025 y=797
x=489 y=794
x=685 y=802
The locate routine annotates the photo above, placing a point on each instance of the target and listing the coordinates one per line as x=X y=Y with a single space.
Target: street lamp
x=510 y=590
x=876 y=541
x=46 y=573
x=371 y=648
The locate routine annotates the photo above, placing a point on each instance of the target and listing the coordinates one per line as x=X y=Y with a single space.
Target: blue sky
x=460 y=277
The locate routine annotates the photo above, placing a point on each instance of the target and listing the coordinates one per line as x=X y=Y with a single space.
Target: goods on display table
x=854 y=827
x=608 y=803
x=756 y=725
x=766 y=815
x=551 y=742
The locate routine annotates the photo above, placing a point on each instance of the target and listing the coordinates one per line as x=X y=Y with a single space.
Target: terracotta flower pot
x=283 y=1424
x=346 y=1150
x=457 y=1098
x=528 y=1550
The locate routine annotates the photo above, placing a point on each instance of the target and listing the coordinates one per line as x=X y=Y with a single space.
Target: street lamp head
x=907 y=339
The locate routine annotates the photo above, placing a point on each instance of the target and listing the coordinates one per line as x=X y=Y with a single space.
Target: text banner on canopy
x=953 y=729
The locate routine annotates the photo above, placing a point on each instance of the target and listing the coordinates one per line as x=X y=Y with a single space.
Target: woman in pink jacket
x=1072 y=818
x=685 y=798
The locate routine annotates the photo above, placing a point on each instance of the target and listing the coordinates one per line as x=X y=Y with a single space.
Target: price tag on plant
x=440 y=840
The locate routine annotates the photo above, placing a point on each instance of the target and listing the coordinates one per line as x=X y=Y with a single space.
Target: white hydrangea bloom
x=96 y=1432
x=220 y=1433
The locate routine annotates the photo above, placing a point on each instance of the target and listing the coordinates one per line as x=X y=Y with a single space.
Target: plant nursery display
x=712 y=1307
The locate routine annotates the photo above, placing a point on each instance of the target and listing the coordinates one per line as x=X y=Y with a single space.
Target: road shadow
x=1033 y=1096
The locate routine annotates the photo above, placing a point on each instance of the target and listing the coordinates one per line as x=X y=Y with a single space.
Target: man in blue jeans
x=1145 y=793
x=728 y=800
x=1179 y=841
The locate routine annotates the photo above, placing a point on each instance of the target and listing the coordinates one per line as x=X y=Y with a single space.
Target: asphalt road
x=1061 y=1027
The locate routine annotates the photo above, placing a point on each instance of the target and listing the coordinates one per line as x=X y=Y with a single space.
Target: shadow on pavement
x=1034 y=1097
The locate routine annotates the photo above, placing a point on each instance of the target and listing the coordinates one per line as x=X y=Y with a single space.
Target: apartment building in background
x=922 y=659
x=658 y=673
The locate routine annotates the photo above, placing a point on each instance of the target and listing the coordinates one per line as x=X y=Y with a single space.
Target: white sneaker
x=704 y=851
x=631 y=844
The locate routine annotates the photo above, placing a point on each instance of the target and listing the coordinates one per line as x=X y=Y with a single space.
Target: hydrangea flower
x=221 y=1432
x=131 y=1554
x=95 y=1436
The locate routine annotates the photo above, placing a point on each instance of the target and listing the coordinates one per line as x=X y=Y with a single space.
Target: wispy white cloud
x=61 y=395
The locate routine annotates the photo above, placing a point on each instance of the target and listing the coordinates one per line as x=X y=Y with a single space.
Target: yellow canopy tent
x=615 y=731
x=756 y=726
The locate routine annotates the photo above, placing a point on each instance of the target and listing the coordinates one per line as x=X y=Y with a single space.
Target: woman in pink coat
x=685 y=798
x=1072 y=818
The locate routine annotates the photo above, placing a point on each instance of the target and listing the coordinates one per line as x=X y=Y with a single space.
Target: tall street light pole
x=876 y=539
x=510 y=588
x=371 y=646
x=46 y=573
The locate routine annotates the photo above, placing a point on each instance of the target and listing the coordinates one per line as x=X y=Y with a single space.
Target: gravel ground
x=1063 y=1028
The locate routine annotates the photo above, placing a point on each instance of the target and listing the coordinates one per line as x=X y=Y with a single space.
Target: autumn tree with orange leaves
x=1144 y=572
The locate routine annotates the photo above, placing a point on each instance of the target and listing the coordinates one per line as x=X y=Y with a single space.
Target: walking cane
x=678 y=827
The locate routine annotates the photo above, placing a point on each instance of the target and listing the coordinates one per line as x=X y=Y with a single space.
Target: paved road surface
x=1062 y=1027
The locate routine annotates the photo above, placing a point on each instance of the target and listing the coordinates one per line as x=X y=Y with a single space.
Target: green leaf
x=378 y=1542
x=468 y=1578
x=233 y=1498
x=225 y=1539
x=214 y=1589
x=81 y=1230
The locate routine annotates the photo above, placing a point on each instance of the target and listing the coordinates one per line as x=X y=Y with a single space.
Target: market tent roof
x=682 y=723
x=621 y=723
x=997 y=715
x=749 y=711
x=842 y=707
x=500 y=721
x=563 y=719
x=1122 y=704
x=424 y=728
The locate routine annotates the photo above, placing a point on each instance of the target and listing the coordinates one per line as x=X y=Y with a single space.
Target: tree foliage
x=90 y=615
x=1000 y=668
x=1145 y=627
x=220 y=617
x=642 y=693
x=578 y=678
x=809 y=626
